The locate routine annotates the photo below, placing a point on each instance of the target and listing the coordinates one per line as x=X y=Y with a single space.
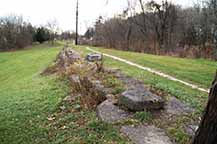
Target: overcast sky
x=38 y=12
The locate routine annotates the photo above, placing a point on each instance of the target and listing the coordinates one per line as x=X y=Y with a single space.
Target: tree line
x=16 y=33
x=160 y=28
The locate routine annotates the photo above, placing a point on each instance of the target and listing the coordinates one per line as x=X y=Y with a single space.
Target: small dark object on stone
x=191 y=129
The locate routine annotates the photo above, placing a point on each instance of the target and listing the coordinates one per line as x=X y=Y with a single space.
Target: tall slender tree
x=76 y=35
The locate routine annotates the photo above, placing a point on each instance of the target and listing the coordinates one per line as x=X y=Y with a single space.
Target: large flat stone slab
x=176 y=107
x=140 y=99
x=145 y=135
x=110 y=113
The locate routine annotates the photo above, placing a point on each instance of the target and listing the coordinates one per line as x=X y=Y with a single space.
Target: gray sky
x=40 y=11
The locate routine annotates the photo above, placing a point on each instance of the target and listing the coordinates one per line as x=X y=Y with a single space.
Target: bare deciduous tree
x=161 y=28
x=15 y=33
x=52 y=25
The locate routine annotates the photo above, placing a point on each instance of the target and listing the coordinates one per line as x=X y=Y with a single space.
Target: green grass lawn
x=28 y=100
x=197 y=71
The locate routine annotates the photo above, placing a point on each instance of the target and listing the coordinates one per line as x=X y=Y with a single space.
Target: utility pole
x=76 y=34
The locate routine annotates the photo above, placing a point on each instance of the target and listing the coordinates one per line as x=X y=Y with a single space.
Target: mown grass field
x=28 y=101
x=196 y=71
x=26 y=97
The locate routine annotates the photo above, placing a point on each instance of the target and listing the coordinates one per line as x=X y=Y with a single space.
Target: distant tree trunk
x=207 y=131
x=128 y=34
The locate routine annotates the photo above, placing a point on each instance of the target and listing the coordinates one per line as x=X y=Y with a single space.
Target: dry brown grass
x=83 y=80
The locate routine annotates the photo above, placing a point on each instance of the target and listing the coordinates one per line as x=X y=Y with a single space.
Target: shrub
x=42 y=35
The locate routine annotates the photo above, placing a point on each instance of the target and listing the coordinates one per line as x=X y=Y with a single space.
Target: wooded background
x=160 y=28
x=16 y=33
